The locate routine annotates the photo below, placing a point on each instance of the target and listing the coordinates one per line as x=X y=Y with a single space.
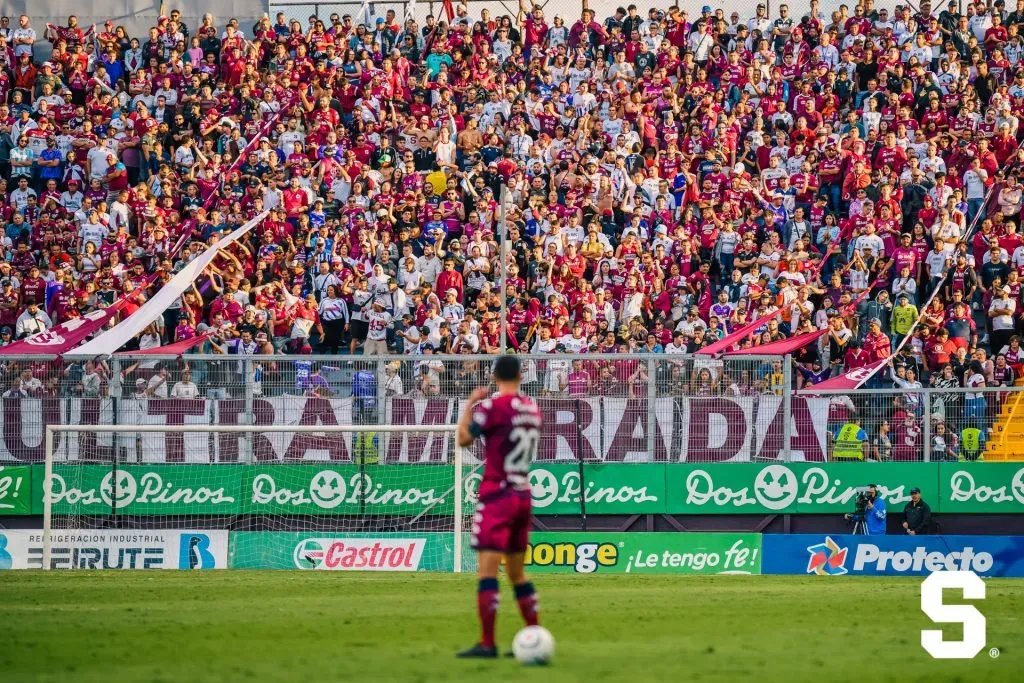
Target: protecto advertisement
x=644 y=553
x=116 y=549
x=840 y=554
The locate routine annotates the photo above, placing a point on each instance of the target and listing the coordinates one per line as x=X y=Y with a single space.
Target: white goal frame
x=52 y=430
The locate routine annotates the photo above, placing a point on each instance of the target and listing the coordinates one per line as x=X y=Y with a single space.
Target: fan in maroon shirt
x=509 y=423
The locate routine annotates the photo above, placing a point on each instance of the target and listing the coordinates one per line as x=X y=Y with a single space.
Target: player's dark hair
x=506 y=368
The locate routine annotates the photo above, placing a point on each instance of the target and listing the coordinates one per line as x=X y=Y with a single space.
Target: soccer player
x=510 y=424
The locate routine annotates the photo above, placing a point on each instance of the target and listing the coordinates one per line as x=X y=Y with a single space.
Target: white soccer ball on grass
x=533 y=645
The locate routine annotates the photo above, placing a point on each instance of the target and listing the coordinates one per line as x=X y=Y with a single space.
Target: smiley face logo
x=1017 y=486
x=543 y=488
x=775 y=487
x=327 y=489
x=126 y=489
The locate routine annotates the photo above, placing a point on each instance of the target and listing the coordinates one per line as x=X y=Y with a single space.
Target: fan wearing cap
x=1001 y=313
x=32 y=320
x=876 y=342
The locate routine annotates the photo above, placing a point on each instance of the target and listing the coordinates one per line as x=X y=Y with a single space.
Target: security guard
x=366 y=448
x=971 y=445
x=850 y=442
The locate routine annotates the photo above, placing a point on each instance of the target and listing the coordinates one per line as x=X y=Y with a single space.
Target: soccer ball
x=533 y=645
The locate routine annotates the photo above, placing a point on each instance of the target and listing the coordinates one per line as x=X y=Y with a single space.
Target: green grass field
x=315 y=627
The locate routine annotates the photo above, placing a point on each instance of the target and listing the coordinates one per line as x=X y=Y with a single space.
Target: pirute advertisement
x=86 y=549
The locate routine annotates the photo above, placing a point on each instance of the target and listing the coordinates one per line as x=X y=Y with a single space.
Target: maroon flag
x=175 y=349
x=62 y=338
x=782 y=346
x=742 y=333
x=449 y=10
x=848 y=380
x=737 y=336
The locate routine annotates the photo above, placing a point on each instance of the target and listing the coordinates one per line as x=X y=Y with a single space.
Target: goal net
x=347 y=497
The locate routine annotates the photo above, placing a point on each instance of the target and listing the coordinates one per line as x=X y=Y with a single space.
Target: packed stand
x=664 y=179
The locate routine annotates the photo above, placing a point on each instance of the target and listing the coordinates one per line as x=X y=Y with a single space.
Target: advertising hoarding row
x=548 y=552
x=328 y=488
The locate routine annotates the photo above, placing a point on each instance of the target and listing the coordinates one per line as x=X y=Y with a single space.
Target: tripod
x=860 y=527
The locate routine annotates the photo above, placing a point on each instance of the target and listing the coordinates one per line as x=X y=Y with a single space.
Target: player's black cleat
x=478 y=651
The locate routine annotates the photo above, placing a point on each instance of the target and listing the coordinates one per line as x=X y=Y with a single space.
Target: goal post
x=357 y=497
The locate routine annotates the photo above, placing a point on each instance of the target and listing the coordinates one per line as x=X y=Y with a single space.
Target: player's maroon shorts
x=502 y=522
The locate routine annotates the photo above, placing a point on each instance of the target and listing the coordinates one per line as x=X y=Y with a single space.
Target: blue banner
x=836 y=555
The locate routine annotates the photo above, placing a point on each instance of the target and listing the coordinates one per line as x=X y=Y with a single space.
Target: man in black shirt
x=632 y=21
x=917 y=515
x=424 y=157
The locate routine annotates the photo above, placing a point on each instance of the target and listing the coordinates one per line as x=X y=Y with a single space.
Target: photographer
x=873 y=512
x=917 y=515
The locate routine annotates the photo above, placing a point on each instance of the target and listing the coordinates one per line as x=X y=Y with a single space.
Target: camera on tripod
x=860 y=507
x=860 y=504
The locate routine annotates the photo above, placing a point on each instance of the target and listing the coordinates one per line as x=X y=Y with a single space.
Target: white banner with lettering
x=712 y=429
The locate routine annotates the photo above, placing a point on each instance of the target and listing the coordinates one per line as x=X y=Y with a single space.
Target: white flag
x=110 y=341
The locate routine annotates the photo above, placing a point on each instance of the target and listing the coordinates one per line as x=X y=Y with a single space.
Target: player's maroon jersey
x=510 y=426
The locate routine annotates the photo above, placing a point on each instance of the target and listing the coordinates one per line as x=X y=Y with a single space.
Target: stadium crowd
x=664 y=179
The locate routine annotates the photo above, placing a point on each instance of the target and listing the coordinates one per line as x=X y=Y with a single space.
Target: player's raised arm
x=465 y=436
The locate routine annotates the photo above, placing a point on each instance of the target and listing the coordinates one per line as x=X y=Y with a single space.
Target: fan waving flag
x=742 y=333
x=113 y=339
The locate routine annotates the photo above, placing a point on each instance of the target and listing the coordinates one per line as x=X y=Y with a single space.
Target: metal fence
x=570 y=12
x=614 y=408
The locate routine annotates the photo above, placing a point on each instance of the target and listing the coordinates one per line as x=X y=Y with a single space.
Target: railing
x=616 y=408
x=301 y=11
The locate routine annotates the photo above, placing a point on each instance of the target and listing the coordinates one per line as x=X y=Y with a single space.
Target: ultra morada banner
x=327 y=488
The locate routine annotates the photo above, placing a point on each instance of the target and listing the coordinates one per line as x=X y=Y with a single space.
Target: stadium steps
x=1006 y=438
